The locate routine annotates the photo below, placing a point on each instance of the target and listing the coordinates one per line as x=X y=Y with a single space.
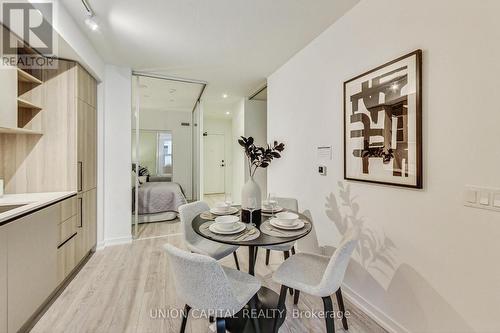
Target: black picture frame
x=367 y=152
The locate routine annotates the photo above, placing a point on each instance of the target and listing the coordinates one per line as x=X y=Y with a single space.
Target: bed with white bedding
x=158 y=198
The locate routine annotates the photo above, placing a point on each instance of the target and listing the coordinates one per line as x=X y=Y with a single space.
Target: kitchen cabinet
x=87 y=224
x=87 y=146
x=32 y=264
x=3 y=279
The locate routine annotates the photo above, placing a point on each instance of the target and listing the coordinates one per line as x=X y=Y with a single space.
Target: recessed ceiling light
x=224 y=95
x=228 y=113
x=92 y=23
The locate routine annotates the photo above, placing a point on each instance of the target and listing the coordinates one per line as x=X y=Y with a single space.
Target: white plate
x=270 y=211
x=232 y=210
x=213 y=228
x=298 y=225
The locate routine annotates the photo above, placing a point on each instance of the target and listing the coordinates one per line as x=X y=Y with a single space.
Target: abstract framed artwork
x=383 y=124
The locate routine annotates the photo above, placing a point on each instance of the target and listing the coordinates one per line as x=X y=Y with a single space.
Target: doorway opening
x=165 y=114
x=217 y=155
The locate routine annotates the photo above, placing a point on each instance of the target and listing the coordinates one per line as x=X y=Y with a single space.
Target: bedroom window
x=165 y=154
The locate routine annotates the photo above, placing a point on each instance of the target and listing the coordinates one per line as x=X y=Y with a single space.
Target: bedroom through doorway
x=164 y=170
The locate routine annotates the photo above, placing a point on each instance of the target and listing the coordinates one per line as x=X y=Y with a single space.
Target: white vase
x=251 y=190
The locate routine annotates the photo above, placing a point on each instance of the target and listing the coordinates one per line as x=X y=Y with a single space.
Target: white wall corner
x=373 y=312
x=116 y=241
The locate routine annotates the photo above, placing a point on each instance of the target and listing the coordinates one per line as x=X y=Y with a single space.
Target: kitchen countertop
x=30 y=202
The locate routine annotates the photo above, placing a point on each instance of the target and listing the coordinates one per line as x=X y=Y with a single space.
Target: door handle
x=80 y=176
x=80 y=201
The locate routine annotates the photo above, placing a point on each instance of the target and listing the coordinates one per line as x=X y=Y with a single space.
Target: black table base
x=267 y=305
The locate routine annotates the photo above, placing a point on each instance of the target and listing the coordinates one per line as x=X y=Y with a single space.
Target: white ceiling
x=166 y=95
x=232 y=44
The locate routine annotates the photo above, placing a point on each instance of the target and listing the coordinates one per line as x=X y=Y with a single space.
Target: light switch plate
x=482 y=197
x=496 y=200
x=471 y=196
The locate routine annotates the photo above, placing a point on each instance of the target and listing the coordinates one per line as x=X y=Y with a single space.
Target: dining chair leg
x=236 y=260
x=221 y=325
x=255 y=319
x=340 y=302
x=286 y=255
x=281 y=307
x=293 y=250
x=251 y=260
x=296 y=297
x=268 y=254
x=185 y=318
x=330 y=321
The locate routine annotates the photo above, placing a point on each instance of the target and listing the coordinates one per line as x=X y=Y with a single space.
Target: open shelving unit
x=21 y=108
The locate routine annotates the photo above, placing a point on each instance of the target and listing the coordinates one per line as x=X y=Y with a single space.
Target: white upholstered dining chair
x=318 y=276
x=203 y=284
x=197 y=244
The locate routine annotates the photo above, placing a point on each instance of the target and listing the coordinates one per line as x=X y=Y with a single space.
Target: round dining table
x=267 y=300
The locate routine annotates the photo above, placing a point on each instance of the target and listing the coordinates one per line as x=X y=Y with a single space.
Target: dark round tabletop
x=263 y=239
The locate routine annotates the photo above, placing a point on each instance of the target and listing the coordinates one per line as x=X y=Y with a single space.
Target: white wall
x=239 y=161
x=256 y=127
x=182 y=141
x=117 y=155
x=223 y=126
x=444 y=276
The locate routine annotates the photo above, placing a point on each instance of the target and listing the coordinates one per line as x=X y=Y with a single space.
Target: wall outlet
x=322 y=170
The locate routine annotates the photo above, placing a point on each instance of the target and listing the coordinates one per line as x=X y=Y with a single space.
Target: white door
x=214 y=163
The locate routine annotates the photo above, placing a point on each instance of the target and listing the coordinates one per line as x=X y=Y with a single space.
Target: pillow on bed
x=143 y=179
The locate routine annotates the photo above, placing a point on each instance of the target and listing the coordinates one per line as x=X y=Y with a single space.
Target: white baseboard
x=117 y=241
x=100 y=246
x=373 y=312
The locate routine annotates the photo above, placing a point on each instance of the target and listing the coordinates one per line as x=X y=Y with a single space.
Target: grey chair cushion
x=243 y=285
x=195 y=242
x=202 y=283
x=318 y=275
x=211 y=249
x=302 y=271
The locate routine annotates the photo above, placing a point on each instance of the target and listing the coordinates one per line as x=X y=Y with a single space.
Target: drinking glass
x=227 y=200
x=251 y=206
x=273 y=202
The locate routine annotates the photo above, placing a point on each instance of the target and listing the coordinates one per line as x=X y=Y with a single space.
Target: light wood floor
x=119 y=287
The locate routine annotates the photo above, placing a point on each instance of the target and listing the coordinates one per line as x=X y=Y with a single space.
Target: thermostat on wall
x=322 y=170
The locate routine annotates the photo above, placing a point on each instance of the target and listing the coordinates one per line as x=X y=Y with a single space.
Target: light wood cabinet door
x=3 y=279
x=87 y=146
x=8 y=97
x=66 y=259
x=87 y=87
x=87 y=223
x=32 y=264
x=90 y=218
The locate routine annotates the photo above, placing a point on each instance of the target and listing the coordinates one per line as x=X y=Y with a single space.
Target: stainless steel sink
x=6 y=208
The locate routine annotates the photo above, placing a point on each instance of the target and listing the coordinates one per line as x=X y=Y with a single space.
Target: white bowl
x=287 y=218
x=222 y=207
x=227 y=222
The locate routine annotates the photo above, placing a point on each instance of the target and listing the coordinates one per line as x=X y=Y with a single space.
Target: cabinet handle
x=80 y=200
x=80 y=176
